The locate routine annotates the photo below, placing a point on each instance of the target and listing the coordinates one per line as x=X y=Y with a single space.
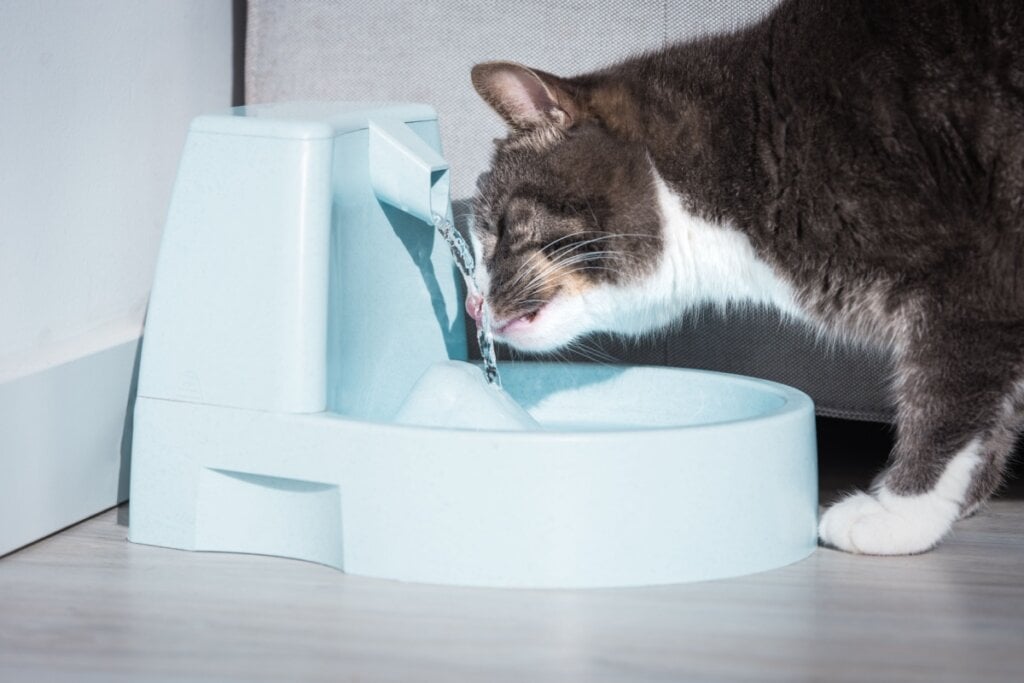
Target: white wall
x=95 y=98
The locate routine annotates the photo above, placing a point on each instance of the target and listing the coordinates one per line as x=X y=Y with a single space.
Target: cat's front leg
x=888 y=521
x=958 y=419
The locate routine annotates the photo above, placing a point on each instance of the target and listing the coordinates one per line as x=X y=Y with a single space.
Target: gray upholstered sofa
x=423 y=51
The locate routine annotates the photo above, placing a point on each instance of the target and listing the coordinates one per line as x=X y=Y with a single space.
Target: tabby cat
x=858 y=164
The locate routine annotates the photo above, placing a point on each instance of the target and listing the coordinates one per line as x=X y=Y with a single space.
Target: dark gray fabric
x=845 y=381
x=423 y=51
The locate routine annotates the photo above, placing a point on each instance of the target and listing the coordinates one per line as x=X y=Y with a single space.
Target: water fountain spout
x=406 y=172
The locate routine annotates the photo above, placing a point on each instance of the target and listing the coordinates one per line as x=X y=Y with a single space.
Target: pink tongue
x=475 y=306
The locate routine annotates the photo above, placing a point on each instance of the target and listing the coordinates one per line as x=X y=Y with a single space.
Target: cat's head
x=566 y=222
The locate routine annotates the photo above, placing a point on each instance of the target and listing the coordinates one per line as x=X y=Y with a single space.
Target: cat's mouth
x=546 y=326
x=519 y=322
x=516 y=324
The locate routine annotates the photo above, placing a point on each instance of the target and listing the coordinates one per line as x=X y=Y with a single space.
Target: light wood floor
x=86 y=605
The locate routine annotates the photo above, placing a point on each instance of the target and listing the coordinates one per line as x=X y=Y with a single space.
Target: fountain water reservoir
x=301 y=292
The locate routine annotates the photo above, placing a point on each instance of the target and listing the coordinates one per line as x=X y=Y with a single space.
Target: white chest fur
x=701 y=263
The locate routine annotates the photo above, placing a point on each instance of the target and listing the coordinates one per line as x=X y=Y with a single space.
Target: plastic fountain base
x=642 y=476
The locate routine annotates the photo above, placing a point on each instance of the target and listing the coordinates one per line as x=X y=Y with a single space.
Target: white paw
x=887 y=524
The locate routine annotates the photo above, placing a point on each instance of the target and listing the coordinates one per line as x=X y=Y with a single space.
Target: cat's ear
x=525 y=98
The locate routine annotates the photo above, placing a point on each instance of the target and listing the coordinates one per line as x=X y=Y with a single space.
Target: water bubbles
x=463 y=258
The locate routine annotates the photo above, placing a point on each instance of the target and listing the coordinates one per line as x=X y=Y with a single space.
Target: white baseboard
x=65 y=441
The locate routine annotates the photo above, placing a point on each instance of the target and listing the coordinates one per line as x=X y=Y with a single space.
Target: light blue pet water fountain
x=305 y=311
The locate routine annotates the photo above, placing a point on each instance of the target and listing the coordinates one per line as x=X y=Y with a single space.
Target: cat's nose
x=475 y=306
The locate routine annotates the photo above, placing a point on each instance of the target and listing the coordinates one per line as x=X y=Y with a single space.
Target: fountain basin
x=641 y=476
x=300 y=296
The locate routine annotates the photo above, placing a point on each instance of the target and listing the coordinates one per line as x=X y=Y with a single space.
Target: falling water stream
x=464 y=260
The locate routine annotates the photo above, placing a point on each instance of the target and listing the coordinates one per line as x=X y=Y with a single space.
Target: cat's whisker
x=603 y=353
x=573 y=245
x=594 y=256
x=593 y=353
x=569 y=266
x=579 y=245
x=553 y=256
x=612 y=234
x=540 y=274
x=557 y=240
x=563 y=256
x=565 y=269
x=579 y=258
x=523 y=271
x=543 y=288
x=610 y=252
